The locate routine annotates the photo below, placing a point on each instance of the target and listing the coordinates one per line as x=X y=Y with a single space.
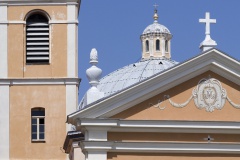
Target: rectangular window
x=38 y=124
x=157 y=45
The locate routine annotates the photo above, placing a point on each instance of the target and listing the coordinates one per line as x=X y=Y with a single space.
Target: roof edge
x=147 y=88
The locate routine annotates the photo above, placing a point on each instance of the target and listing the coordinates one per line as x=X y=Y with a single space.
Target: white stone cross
x=207 y=21
x=209 y=139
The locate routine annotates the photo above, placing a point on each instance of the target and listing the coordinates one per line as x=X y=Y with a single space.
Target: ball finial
x=155 y=16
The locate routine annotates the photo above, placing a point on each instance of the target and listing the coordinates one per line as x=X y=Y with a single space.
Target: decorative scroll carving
x=233 y=104
x=160 y=103
x=179 y=105
x=208 y=94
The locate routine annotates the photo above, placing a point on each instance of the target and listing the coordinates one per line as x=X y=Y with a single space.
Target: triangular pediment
x=206 y=97
x=210 y=64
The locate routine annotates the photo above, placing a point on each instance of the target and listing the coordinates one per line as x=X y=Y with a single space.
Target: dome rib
x=132 y=74
x=122 y=77
x=140 y=78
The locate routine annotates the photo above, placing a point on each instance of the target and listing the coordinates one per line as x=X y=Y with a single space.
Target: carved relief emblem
x=209 y=94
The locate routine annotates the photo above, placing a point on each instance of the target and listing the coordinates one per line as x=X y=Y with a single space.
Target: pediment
x=179 y=81
x=206 y=97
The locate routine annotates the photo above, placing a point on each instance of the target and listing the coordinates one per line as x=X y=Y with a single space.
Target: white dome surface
x=133 y=73
x=130 y=75
x=156 y=28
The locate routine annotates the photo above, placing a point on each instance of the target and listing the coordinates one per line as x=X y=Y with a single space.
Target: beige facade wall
x=148 y=110
x=155 y=156
x=18 y=13
x=22 y=99
x=17 y=67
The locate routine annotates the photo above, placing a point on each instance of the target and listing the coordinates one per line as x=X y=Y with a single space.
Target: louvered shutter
x=37 y=39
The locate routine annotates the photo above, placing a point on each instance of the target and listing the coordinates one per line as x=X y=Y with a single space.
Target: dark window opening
x=157 y=45
x=147 y=46
x=166 y=46
x=37 y=39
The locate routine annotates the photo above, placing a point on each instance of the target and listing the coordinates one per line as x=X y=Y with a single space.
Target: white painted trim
x=38 y=2
x=16 y=22
x=63 y=22
x=3 y=43
x=71 y=102
x=4 y=122
x=96 y=155
x=75 y=144
x=95 y=134
x=160 y=147
x=43 y=81
x=71 y=91
x=50 y=22
x=208 y=61
x=163 y=126
x=3 y=22
x=3 y=4
x=71 y=41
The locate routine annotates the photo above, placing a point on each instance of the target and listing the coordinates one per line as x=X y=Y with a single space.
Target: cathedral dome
x=132 y=74
x=156 y=28
x=156 y=57
x=128 y=76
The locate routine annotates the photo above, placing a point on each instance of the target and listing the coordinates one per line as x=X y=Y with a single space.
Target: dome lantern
x=156 y=40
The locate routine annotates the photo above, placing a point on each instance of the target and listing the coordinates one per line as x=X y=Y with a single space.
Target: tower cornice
x=32 y=2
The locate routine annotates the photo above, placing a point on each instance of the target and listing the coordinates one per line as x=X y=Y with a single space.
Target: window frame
x=38 y=125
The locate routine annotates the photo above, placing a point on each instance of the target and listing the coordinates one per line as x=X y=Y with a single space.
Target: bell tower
x=38 y=76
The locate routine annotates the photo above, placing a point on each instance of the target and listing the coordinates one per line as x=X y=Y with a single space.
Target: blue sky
x=114 y=27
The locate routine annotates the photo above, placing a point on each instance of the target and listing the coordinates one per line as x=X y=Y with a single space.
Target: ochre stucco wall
x=17 y=67
x=147 y=110
x=22 y=99
x=155 y=156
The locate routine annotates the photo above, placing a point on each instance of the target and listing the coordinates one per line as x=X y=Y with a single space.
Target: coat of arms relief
x=208 y=94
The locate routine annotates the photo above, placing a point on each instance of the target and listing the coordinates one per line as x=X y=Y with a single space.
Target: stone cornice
x=50 y=22
x=38 y=2
x=40 y=81
x=160 y=147
x=117 y=125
